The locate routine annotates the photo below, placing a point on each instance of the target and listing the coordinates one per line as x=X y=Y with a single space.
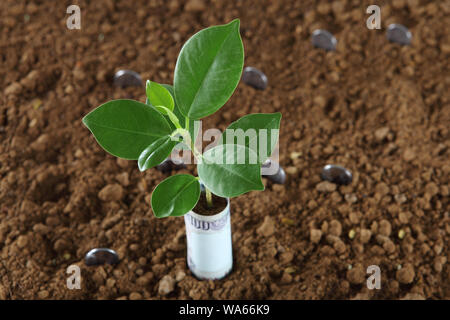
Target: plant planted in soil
x=207 y=72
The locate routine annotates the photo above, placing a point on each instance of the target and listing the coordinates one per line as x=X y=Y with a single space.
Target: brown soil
x=202 y=208
x=380 y=110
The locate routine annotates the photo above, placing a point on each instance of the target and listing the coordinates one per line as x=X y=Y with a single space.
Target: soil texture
x=379 y=109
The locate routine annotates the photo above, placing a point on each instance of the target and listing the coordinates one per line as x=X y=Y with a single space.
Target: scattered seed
x=336 y=174
x=254 y=78
x=290 y=270
x=349 y=267
x=399 y=266
x=401 y=234
x=101 y=37
x=127 y=78
x=36 y=103
x=279 y=177
x=351 y=234
x=99 y=256
x=66 y=256
x=399 y=34
x=323 y=39
x=295 y=155
x=287 y=221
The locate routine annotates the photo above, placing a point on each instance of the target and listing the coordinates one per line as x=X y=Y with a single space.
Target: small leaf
x=255 y=132
x=230 y=170
x=208 y=70
x=175 y=196
x=162 y=110
x=156 y=153
x=125 y=128
x=158 y=95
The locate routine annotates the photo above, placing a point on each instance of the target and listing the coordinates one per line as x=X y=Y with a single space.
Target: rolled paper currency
x=209 y=244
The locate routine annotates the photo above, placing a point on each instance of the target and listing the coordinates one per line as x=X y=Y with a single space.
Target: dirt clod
x=356 y=275
x=166 y=285
x=111 y=192
x=135 y=296
x=406 y=274
x=267 y=228
x=315 y=235
x=335 y=228
x=195 y=6
x=385 y=228
x=377 y=108
x=325 y=186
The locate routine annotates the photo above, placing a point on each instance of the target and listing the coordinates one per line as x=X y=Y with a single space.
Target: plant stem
x=209 y=202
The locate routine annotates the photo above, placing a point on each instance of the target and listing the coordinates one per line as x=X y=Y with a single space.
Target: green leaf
x=230 y=170
x=125 y=128
x=156 y=153
x=175 y=196
x=158 y=95
x=248 y=131
x=208 y=70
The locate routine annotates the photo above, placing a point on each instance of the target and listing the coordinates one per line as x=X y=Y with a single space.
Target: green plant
x=207 y=72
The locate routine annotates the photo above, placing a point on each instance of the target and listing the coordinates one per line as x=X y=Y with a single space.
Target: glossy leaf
x=125 y=128
x=208 y=70
x=158 y=95
x=175 y=196
x=256 y=133
x=156 y=153
x=230 y=170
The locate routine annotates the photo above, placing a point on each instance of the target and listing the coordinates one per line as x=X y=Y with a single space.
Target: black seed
x=168 y=165
x=336 y=174
x=323 y=39
x=127 y=78
x=165 y=166
x=254 y=78
x=99 y=256
x=279 y=177
x=399 y=34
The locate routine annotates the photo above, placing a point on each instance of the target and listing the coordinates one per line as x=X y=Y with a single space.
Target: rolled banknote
x=209 y=244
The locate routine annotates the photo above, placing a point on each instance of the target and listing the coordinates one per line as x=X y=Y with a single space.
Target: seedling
x=207 y=72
